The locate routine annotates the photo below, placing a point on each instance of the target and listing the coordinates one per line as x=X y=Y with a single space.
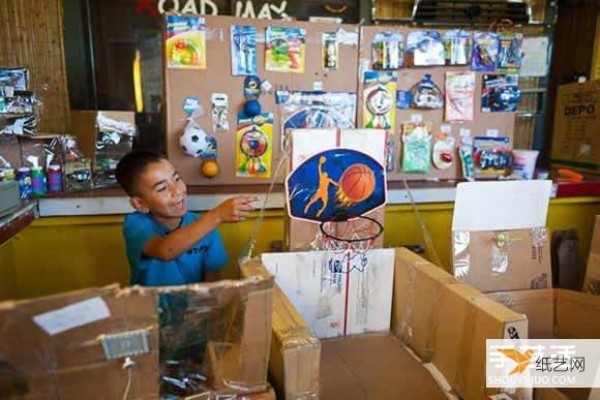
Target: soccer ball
x=195 y=141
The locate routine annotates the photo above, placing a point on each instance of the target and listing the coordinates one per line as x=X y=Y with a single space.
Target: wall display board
x=187 y=85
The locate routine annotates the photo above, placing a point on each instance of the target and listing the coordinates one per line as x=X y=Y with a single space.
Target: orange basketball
x=356 y=184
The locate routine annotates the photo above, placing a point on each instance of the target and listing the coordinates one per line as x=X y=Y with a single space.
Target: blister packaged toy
x=444 y=151
x=500 y=93
x=185 y=42
x=485 y=51
x=509 y=56
x=425 y=48
x=416 y=148
x=460 y=96
x=388 y=50
x=330 y=51
x=379 y=98
x=426 y=94
x=243 y=50
x=491 y=156
x=285 y=49
x=457 y=47
x=13 y=79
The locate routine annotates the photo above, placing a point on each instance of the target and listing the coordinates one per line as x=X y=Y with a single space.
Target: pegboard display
x=354 y=57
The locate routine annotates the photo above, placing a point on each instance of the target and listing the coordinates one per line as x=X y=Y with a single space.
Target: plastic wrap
x=20 y=109
x=296 y=353
x=114 y=139
x=215 y=337
x=77 y=169
x=503 y=260
x=10 y=156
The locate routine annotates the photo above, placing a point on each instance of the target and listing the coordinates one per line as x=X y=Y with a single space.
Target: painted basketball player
x=322 y=192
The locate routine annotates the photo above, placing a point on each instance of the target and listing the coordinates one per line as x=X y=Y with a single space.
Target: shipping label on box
x=576 y=137
x=337 y=294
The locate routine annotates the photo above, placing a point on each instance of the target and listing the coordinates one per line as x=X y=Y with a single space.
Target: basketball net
x=356 y=235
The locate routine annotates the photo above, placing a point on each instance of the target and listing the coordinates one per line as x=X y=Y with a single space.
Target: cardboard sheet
x=336 y=294
x=504 y=205
x=591 y=283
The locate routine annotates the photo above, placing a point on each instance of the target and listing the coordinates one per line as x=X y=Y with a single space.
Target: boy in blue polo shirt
x=166 y=244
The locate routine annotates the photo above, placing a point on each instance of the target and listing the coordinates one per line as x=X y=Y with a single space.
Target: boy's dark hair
x=132 y=166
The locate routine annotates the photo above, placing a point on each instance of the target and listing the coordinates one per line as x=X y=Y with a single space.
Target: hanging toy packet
x=491 y=156
x=387 y=50
x=243 y=50
x=194 y=141
x=509 y=56
x=285 y=49
x=485 y=51
x=379 y=97
x=426 y=94
x=185 y=42
x=500 y=93
x=254 y=146
x=460 y=96
x=457 y=47
x=444 y=148
x=330 y=51
x=416 y=149
x=425 y=48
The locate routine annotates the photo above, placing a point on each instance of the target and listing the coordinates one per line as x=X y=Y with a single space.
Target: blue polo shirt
x=207 y=255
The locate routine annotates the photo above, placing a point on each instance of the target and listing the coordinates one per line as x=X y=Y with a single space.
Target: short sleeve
x=216 y=255
x=138 y=229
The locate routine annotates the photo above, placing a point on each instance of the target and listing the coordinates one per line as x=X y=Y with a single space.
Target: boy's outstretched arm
x=181 y=240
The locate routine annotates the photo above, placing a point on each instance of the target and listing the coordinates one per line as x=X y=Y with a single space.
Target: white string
x=129 y=378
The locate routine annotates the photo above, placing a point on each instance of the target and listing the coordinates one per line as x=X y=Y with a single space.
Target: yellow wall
x=64 y=253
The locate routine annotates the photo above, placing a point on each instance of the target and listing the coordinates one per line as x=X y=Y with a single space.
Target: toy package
x=509 y=56
x=379 y=95
x=254 y=146
x=485 y=51
x=114 y=139
x=444 y=150
x=330 y=51
x=285 y=49
x=387 y=50
x=20 y=112
x=13 y=79
x=457 y=46
x=426 y=94
x=425 y=48
x=185 y=42
x=220 y=110
x=491 y=156
x=416 y=149
x=243 y=50
x=500 y=93
x=460 y=96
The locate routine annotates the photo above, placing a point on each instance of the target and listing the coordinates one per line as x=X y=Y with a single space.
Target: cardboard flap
x=577 y=315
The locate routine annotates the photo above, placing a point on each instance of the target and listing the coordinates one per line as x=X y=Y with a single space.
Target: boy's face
x=161 y=192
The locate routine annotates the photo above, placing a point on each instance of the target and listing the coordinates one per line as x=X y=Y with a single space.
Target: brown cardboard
x=591 y=284
x=493 y=261
x=295 y=351
x=83 y=127
x=374 y=367
x=575 y=139
x=10 y=151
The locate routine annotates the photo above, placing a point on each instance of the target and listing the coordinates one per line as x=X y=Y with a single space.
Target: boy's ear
x=139 y=204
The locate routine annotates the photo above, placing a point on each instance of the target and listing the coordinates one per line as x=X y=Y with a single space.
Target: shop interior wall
x=31 y=32
x=58 y=254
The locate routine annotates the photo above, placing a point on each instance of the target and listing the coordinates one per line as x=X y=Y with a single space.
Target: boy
x=166 y=244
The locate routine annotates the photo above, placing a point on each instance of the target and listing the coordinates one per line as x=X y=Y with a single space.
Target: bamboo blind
x=32 y=36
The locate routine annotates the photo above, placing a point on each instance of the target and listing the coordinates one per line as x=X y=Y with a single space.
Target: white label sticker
x=266 y=86
x=318 y=86
x=416 y=118
x=465 y=132
x=73 y=316
x=445 y=128
x=492 y=133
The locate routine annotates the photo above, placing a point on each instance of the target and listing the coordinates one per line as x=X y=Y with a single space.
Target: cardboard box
x=591 y=283
x=338 y=294
x=295 y=356
x=556 y=313
x=374 y=366
x=503 y=260
x=575 y=140
x=74 y=344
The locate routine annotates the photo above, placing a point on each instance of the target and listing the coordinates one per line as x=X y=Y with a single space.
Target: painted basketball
x=356 y=184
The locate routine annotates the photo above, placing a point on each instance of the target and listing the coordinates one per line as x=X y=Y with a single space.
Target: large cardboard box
x=75 y=345
x=295 y=356
x=576 y=136
x=591 y=283
x=556 y=313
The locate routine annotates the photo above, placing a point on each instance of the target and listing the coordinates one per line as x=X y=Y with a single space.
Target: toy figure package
x=491 y=156
x=379 y=95
x=330 y=51
x=485 y=51
x=509 y=57
x=387 y=50
x=500 y=93
x=425 y=48
x=460 y=96
x=426 y=94
x=285 y=49
x=457 y=46
x=416 y=149
x=185 y=42
x=254 y=146
x=13 y=78
x=443 y=151
x=243 y=50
